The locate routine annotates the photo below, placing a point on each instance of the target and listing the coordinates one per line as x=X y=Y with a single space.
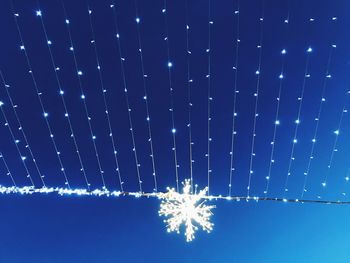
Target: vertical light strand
x=277 y=114
x=39 y=95
x=170 y=65
x=145 y=97
x=235 y=93
x=8 y=172
x=21 y=129
x=210 y=23
x=317 y=120
x=276 y=123
x=256 y=95
x=189 y=91
x=79 y=74
x=106 y=110
x=335 y=143
x=297 y=121
x=16 y=142
x=126 y=94
x=61 y=93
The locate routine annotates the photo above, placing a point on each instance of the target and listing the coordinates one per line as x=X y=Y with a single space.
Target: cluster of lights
x=186 y=209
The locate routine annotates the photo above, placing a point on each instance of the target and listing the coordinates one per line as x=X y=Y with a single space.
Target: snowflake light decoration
x=186 y=208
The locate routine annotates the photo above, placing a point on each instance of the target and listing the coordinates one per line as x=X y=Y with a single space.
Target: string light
x=256 y=95
x=210 y=23
x=297 y=121
x=7 y=168
x=39 y=95
x=122 y=59
x=146 y=99
x=20 y=128
x=83 y=98
x=235 y=93
x=276 y=124
x=277 y=114
x=106 y=110
x=170 y=64
x=22 y=157
x=189 y=95
x=64 y=104
x=317 y=121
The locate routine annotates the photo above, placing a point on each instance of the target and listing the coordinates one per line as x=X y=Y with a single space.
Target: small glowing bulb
x=80 y=73
x=277 y=122
x=170 y=64
x=46 y=114
x=1 y=103
x=336 y=132
x=283 y=52
x=82 y=96
x=173 y=130
x=38 y=13
x=309 y=50
x=137 y=20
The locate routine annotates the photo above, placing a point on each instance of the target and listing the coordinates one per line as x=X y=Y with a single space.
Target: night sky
x=84 y=84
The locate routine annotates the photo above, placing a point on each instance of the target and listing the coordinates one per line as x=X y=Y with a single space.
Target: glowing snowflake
x=186 y=208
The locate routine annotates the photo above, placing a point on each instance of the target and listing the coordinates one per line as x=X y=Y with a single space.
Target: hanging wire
x=39 y=94
x=20 y=128
x=235 y=92
x=256 y=95
x=122 y=60
x=106 y=110
x=317 y=120
x=146 y=98
x=170 y=64
x=8 y=173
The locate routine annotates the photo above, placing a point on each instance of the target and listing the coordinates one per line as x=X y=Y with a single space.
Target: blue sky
x=51 y=228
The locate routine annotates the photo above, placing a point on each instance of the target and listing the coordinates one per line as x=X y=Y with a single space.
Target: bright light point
x=295 y=141
x=186 y=209
x=82 y=96
x=23 y=158
x=257 y=72
x=336 y=132
x=313 y=140
x=67 y=21
x=283 y=52
x=80 y=73
x=347 y=178
x=309 y=50
x=173 y=130
x=1 y=103
x=46 y=114
x=280 y=76
x=49 y=42
x=61 y=92
x=297 y=121
x=137 y=20
x=94 y=137
x=277 y=122
x=170 y=64
x=22 y=47
x=38 y=13
x=324 y=184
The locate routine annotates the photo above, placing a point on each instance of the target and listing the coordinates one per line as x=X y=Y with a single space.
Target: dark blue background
x=48 y=228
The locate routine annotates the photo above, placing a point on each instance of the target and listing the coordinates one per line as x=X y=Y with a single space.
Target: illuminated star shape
x=186 y=209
